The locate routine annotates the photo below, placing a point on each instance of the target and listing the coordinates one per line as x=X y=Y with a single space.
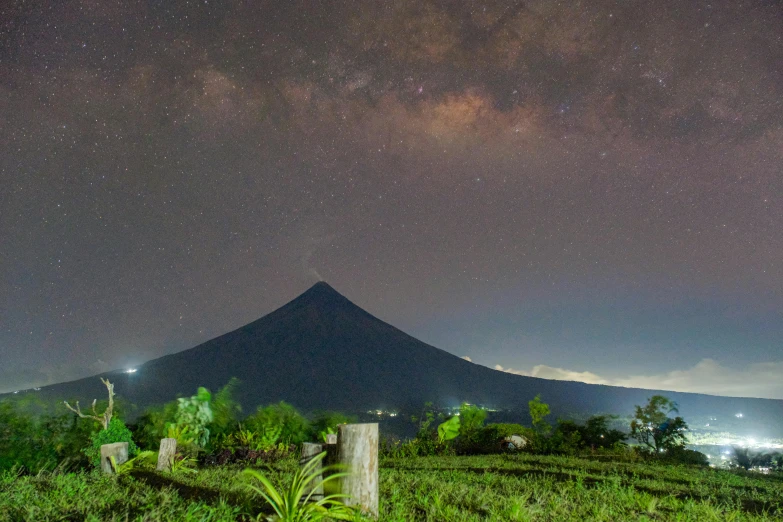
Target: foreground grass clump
x=499 y=487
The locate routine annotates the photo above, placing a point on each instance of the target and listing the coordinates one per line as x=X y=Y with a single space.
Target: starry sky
x=574 y=190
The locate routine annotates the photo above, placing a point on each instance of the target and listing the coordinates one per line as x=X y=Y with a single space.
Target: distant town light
x=130 y=370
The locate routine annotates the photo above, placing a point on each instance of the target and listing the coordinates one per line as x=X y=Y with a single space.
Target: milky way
x=593 y=187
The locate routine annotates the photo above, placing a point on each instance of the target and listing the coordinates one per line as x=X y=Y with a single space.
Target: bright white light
x=739 y=415
x=751 y=441
x=131 y=370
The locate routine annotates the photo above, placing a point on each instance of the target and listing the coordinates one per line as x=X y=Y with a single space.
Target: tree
x=539 y=410
x=596 y=432
x=105 y=417
x=653 y=427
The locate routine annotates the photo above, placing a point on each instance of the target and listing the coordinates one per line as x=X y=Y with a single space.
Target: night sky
x=582 y=190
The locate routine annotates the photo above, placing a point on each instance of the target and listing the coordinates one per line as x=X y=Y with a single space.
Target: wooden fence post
x=331 y=450
x=357 y=451
x=168 y=448
x=118 y=450
x=309 y=452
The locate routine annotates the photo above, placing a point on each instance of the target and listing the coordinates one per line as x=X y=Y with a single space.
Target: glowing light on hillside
x=130 y=370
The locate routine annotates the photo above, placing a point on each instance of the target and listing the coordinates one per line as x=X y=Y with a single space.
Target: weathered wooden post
x=309 y=451
x=331 y=450
x=357 y=452
x=168 y=448
x=118 y=450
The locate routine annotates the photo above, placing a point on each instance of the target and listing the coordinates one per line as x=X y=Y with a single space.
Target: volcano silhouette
x=321 y=351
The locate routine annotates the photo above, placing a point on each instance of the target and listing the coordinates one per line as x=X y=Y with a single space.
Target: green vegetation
x=116 y=432
x=493 y=487
x=194 y=415
x=296 y=503
x=654 y=429
x=456 y=467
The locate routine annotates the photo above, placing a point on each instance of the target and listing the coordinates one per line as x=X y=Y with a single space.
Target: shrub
x=328 y=420
x=294 y=428
x=195 y=414
x=153 y=425
x=491 y=436
x=570 y=436
x=680 y=455
x=225 y=409
x=33 y=441
x=116 y=432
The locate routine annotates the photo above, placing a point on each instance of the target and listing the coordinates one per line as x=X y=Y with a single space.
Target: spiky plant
x=295 y=504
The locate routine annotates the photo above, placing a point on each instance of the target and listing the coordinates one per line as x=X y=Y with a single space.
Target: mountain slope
x=320 y=351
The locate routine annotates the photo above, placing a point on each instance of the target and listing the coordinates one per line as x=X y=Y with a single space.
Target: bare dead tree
x=105 y=417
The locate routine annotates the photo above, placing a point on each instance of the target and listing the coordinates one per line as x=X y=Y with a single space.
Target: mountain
x=321 y=351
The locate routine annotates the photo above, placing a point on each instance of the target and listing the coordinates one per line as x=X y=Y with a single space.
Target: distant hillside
x=320 y=351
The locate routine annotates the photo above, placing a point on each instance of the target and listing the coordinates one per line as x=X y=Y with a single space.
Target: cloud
x=708 y=376
x=559 y=374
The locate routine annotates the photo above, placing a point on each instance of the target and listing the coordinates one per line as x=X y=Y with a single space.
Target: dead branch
x=105 y=417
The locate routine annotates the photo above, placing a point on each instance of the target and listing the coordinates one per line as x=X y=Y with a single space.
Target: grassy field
x=513 y=487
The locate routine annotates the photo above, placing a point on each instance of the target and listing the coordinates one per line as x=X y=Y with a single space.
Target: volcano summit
x=321 y=351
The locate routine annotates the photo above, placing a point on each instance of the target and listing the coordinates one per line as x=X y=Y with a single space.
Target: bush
x=294 y=427
x=328 y=420
x=116 y=432
x=195 y=414
x=490 y=437
x=680 y=455
x=225 y=409
x=570 y=437
x=33 y=441
x=151 y=426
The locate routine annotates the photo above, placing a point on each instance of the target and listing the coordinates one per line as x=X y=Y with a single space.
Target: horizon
x=318 y=286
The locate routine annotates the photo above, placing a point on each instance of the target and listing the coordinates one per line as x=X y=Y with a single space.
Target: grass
x=507 y=488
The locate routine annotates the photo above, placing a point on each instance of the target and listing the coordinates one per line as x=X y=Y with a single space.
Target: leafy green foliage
x=183 y=464
x=539 y=410
x=654 y=429
x=472 y=419
x=327 y=422
x=144 y=459
x=294 y=428
x=195 y=414
x=681 y=455
x=594 y=434
x=154 y=424
x=324 y=435
x=33 y=439
x=256 y=441
x=116 y=432
x=449 y=430
x=294 y=504
x=225 y=409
